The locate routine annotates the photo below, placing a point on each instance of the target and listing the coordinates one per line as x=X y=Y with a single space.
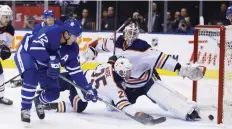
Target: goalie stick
x=154 y=121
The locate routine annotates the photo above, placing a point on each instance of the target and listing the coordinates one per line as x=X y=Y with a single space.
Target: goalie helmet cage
x=207 y=34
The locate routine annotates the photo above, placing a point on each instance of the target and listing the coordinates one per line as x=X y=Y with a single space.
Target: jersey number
x=42 y=39
x=121 y=94
x=99 y=77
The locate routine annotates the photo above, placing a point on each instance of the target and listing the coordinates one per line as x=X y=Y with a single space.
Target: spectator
x=140 y=21
x=177 y=15
x=110 y=22
x=156 y=19
x=170 y=23
x=221 y=15
x=176 y=20
x=104 y=18
x=185 y=26
x=183 y=13
x=29 y=22
x=85 y=21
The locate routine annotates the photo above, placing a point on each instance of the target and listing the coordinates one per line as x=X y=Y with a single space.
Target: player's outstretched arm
x=74 y=69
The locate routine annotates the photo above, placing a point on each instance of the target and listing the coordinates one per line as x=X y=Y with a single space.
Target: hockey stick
x=155 y=121
x=19 y=74
x=10 y=80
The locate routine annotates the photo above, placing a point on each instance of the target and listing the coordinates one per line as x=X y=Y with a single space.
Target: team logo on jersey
x=72 y=24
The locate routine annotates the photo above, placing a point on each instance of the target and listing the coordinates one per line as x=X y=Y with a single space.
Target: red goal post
x=217 y=44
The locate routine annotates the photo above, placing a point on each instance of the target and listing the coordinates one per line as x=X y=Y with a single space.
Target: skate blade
x=26 y=125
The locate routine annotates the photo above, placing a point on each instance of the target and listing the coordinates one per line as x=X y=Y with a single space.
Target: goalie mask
x=123 y=68
x=130 y=33
x=5 y=15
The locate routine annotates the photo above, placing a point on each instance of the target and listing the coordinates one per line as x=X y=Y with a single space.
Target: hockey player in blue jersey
x=48 y=19
x=38 y=60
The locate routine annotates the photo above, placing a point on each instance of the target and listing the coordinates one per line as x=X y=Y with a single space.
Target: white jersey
x=143 y=57
x=109 y=86
x=7 y=35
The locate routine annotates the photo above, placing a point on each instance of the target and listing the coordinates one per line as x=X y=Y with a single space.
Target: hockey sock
x=30 y=83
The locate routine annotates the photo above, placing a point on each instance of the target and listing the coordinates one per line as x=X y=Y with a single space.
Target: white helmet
x=123 y=67
x=131 y=33
x=6 y=11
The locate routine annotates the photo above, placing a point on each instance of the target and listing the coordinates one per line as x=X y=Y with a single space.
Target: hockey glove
x=192 y=71
x=90 y=53
x=112 y=60
x=4 y=52
x=53 y=70
x=92 y=95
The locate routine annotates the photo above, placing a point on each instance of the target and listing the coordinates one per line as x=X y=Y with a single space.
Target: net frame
x=221 y=65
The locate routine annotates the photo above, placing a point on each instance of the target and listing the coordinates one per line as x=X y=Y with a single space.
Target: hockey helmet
x=72 y=26
x=131 y=33
x=48 y=13
x=229 y=13
x=5 y=10
x=123 y=67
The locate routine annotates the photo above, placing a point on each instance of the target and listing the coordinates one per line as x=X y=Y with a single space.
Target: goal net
x=213 y=49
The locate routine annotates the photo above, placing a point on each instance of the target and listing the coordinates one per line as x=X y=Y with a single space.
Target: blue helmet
x=48 y=13
x=72 y=26
x=228 y=12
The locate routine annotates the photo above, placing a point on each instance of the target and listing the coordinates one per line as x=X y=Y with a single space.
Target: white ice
x=96 y=117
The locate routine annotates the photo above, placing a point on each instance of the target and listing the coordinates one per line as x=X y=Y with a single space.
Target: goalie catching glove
x=192 y=71
x=5 y=52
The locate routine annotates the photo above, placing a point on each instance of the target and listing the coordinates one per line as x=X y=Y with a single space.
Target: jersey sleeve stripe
x=75 y=101
x=60 y=107
x=75 y=72
x=125 y=106
x=122 y=105
x=145 y=77
x=162 y=60
x=123 y=100
x=72 y=69
x=37 y=48
x=158 y=59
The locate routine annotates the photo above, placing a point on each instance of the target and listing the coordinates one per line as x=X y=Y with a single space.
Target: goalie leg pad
x=169 y=99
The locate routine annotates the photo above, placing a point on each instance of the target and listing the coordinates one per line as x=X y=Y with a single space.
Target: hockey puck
x=211 y=117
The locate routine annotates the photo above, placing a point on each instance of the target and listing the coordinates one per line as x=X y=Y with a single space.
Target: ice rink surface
x=96 y=116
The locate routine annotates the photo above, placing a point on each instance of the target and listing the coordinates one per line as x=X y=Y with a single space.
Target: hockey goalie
x=144 y=80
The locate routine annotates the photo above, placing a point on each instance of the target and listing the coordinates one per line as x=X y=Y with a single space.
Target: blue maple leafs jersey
x=42 y=24
x=70 y=59
x=44 y=44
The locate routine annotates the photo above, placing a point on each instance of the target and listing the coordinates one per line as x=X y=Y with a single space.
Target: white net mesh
x=207 y=88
